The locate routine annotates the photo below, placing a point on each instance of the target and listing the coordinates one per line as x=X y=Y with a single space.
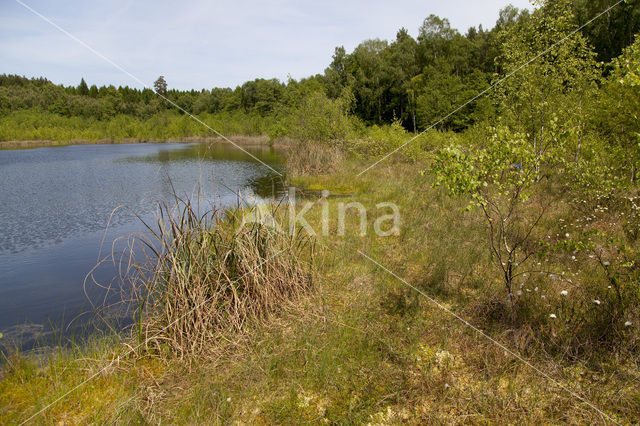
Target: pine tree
x=83 y=89
x=160 y=86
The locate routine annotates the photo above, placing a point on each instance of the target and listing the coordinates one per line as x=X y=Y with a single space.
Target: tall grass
x=208 y=275
x=35 y=124
x=314 y=159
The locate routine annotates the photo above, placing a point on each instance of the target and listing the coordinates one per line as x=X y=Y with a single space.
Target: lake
x=55 y=204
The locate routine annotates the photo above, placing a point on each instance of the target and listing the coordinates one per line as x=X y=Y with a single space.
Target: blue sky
x=204 y=44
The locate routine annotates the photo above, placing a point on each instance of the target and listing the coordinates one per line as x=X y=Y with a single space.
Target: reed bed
x=314 y=159
x=204 y=277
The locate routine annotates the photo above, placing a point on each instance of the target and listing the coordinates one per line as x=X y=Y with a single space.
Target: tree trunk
x=413 y=111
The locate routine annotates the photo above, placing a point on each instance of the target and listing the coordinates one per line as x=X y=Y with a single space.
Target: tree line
x=413 y=81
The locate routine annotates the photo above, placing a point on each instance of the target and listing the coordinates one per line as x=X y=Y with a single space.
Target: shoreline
x=246 y=140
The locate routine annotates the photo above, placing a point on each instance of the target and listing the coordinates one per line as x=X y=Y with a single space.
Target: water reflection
x=55 y=203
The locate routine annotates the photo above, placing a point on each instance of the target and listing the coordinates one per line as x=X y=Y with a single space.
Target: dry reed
x=207 y=276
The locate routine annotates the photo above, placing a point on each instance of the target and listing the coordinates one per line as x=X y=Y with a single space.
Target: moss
x=321 y=183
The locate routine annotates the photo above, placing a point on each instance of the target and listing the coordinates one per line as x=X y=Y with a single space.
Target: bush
x=320 y=119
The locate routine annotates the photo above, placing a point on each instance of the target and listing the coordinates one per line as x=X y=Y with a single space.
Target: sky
x=204 y=44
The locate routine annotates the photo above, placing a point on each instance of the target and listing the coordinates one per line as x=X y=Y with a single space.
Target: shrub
x=320 y=119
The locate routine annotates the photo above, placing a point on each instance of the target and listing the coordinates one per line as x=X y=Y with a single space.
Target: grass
x=24 y=127
x=361 y=347
x=240 y=140
x=209 y=274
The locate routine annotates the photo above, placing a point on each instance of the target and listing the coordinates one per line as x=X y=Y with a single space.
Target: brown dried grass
x=208 y=276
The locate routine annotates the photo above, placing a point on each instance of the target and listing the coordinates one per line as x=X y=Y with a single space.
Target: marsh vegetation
x=520 y=214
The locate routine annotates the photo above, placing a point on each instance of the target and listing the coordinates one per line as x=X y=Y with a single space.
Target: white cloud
x=199 y=44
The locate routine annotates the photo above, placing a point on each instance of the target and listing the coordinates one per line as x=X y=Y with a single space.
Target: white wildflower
x=229 y=399
x=596 y=301
x=627 y=324
x=564 y=292
x=552 y=316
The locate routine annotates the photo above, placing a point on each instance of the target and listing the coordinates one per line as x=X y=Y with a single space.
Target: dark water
x=55 y=204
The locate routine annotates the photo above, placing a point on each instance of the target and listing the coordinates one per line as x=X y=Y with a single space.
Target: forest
x=413 y=82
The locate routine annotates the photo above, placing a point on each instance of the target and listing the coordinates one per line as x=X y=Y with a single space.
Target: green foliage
x=41 y=125
x=611 y=34
x=542 y=98
x=500 y=179
x=550 y=147
x=414 y=80
x=320 y=119
x=380 y=140
x=616 y=111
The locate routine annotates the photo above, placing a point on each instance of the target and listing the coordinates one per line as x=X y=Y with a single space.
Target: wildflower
x=606 y=263
x=543 y=297
x=573 y=258
x=535 y=289
x=564 y=292
x=229 y=399
x=519 y=293
x=627 y=324
x=566 y=235
x=596 y=301
x=553 y=316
